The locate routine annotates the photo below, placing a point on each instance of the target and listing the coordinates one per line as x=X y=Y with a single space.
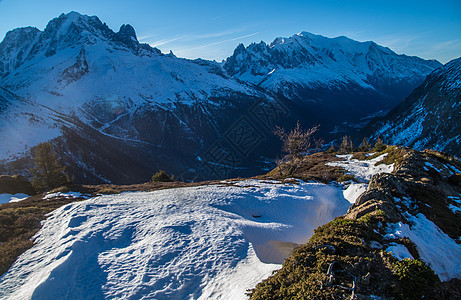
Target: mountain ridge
x=101 y=87
x=429 y=117
x=315 y=50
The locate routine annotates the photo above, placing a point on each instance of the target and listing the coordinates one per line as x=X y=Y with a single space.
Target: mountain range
x=116 y=110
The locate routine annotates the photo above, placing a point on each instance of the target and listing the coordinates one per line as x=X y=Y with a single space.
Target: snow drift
x=200 y=242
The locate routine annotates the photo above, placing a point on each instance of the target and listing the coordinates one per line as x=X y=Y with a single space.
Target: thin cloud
x=216 y=43
x=141 y=38
x=165 y=41
x=401 y=42
x=447 y=45
x=444 y=51
x=196 y=37
x=244 y=36
x=216 y=34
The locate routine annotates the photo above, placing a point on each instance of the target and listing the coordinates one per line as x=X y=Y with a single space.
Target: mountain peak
x=72 y=16
x=127 y=36
x=74 y=20
x=17 y=36
x=126 y=30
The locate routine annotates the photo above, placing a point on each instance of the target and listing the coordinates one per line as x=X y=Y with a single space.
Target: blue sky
x=212 y=29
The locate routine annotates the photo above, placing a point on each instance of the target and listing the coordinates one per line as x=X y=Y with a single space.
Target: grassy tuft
x=417 y=280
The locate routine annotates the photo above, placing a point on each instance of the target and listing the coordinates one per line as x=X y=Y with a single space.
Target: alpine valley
x=116 y=110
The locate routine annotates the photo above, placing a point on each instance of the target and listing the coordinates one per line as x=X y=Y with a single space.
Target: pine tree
x=48 y=172
x=379 y=145
x=161 y=175
x=365 y=145
x=346 y=145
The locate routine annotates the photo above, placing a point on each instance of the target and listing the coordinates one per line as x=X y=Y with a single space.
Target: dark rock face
x=127 y=36
x=17 y=43
x=429 y=117
x=77 y=70
x=15 y=185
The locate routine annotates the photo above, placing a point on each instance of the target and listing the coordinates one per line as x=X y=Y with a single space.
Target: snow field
x=207 y=242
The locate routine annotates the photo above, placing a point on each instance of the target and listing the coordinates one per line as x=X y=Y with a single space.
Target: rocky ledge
x=400 y=240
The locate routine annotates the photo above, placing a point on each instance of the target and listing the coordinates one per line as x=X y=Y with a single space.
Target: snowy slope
x=207 y=242
x=429 y=117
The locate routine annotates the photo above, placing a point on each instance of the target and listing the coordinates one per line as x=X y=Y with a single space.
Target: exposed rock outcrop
x=382 y=246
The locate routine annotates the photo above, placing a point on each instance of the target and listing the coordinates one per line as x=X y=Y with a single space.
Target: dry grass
x=311 y=167
x=18 y=224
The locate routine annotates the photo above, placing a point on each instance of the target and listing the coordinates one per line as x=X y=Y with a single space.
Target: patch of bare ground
x=309 y=168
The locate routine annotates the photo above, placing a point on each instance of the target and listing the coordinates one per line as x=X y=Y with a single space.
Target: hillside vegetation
x=355 y=256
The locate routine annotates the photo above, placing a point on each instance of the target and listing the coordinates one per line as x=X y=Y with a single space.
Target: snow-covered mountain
x=316 y=61
x=117 y=110
x=430 y=117
x=120 y=109
x=349 y=77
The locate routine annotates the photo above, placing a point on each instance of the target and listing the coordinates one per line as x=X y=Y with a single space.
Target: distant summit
x=315 y=61
x=66 y=31
x=334 y=80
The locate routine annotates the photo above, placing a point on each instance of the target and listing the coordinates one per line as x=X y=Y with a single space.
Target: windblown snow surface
x=207 y=242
